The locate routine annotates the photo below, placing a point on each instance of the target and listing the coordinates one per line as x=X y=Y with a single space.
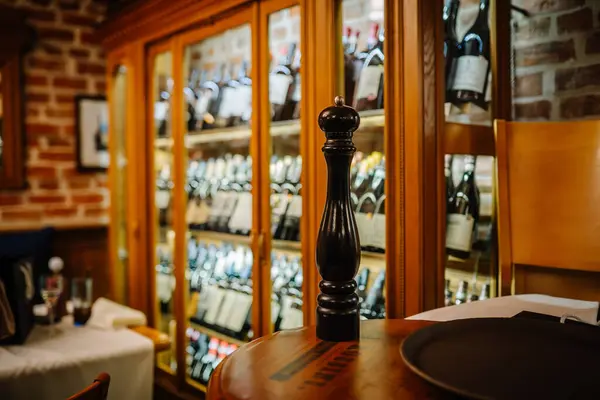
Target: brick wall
x=557 y=57
x=64 y=62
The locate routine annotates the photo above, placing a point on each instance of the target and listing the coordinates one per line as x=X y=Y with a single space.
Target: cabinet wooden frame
x=127 y=287
x=266 y=8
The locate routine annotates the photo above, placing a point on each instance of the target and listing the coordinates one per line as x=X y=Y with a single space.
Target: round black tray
x=501 y=358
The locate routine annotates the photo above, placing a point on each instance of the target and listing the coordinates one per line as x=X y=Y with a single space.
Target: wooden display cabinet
x=159 y=50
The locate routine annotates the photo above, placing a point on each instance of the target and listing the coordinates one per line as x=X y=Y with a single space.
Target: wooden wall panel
x=85 y=251
x=580 y=285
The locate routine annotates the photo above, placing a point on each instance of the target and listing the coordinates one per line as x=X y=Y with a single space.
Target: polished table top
x=296 y=365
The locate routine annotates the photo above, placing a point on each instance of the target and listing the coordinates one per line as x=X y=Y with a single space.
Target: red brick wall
x=64 y=62
x=557 y=56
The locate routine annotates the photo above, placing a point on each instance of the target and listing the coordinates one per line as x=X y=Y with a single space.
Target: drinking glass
x=81 y=297
x=51 y=287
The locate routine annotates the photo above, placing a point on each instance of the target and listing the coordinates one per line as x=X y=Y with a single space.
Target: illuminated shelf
x=163 y=143
x=196 y=385
x=372 y=120
x=469 y=139
x=245 y=240
x=215 y=334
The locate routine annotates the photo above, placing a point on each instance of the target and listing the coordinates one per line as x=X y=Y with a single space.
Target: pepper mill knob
x=339 y=118
x=338 y=247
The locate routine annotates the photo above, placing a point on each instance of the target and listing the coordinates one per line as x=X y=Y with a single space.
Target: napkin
x=107 y=314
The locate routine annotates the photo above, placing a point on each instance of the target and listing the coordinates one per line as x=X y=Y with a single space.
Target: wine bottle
x=463 y=214
x=208 y=360
x=207 y=101
x=362 y=280
x=449 y=181
x=218 y=196
x=378 y=238
x=232 y=189
x=374 y=305
x=279 y=194
x=350 y=65
x=472 y=296
x=461 y=293
x=228 y=107
x=280 y=80
x=162 y=198
x=162 y=108
x=369 y=89
x=485 y=292
x=469 y=84
x=244 y=96
x=295 y=93
x=241 y=218
x=291 y=225
x=447 y=294
x=451 y=47
x=190 y=99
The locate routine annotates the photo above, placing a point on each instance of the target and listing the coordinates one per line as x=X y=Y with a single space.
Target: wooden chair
x=548 y=197
x=96 y=391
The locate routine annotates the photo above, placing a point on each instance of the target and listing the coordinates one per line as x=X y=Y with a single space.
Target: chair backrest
x=96 y=391
x=548 y=196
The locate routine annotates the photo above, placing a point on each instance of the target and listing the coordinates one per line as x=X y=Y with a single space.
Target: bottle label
x=279 y=85
x=488 y=89
x=227 y=308
x=459 y=232
x=368 y=84
x=218 y=204
x=297 y=94
x=365 y=225
x=230 y=201
x=241 y=218
x=279 y=203
x=160 y=110
x=216 y=296
x=229 y=103
x=202 y=105
x=471 y=73
x=244 y=102
x=378 y=240
x=241 y=308
x=295 y=209
x=164 y=287
x=291 y=317
x=162 y=198
x=275 y=308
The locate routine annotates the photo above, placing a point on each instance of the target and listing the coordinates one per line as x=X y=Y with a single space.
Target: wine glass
x=51 y=287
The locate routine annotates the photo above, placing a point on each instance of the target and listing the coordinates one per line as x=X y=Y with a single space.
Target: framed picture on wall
x=91 y=129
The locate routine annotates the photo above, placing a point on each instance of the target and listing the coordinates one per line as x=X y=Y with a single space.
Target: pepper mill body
x=338 y=247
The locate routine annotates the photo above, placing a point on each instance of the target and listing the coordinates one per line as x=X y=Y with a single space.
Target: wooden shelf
x=196 y=385
x=215 y=334
x=372 y=120
x=469 y=139
x=211 y=236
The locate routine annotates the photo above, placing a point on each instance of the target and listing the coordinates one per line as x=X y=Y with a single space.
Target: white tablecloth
x=509 y=306
x=48 y=368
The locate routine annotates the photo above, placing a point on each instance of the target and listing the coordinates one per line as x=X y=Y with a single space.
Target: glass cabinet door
x=361 y=63
x=217 y=123
x=161 y=90
x=285 y=166
x=119 y=246
x=469 y=162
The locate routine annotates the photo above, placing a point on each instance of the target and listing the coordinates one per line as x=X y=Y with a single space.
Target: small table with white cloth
x=57 y=366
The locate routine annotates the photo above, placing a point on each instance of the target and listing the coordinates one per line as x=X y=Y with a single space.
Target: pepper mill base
x=338 y=328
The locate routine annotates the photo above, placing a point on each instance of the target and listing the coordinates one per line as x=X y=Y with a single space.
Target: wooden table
x=296 y=365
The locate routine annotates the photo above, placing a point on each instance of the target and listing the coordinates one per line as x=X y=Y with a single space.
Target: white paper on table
x=508 y=306
x=107 y=314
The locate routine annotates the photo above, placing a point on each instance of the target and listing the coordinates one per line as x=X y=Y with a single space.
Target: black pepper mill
x=338 y=247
